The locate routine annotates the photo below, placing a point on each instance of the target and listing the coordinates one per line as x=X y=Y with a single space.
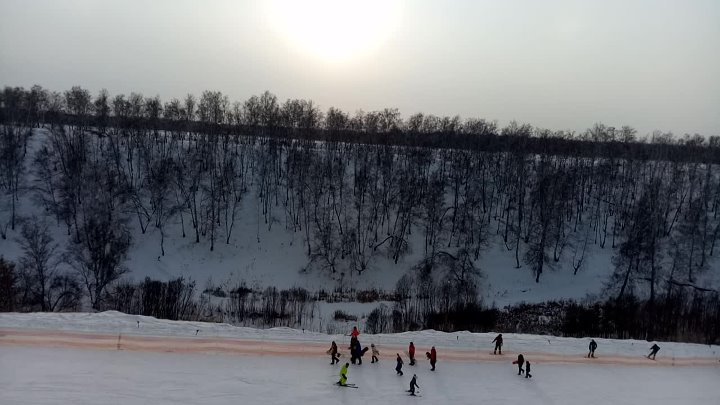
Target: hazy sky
x=651 y=64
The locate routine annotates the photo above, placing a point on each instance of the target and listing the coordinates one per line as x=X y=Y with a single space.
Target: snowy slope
x=262 y=256
x=34 y=373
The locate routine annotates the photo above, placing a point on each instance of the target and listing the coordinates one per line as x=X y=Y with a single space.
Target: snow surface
x=116 y=323
x=37 y=376
x=33 y=372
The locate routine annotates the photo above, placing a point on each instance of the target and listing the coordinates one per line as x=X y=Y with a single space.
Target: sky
x=555 y=64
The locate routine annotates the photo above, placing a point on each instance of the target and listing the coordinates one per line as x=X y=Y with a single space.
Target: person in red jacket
x=355 y=332
x=433 y=358
x=411 y=353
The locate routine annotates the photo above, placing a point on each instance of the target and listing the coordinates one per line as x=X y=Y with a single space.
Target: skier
x=592 y=348
x=498 y=344
x=433 y=358
x=520 y=360
x=411 y=353
x=343 y=374
x=333 y=352
x=527 y=370
x=375 y=354
x=413 y=384
x=653 y=351
x=399 y=365
x=355 y=332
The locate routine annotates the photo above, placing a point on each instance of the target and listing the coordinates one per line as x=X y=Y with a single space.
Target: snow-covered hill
x=264 y=255
x=267 y=249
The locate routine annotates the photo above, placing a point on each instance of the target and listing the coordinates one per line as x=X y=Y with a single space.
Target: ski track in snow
x=117 y=331
x=301 y=349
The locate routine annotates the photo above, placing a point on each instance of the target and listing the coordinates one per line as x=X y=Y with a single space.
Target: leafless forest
x=358 y=187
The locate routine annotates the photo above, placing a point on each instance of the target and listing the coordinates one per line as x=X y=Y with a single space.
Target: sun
x=334 y=30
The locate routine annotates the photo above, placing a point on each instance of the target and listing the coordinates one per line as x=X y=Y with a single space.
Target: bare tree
x=39 y=262
x=12 y=164
x=46 y=285
x=8 y=286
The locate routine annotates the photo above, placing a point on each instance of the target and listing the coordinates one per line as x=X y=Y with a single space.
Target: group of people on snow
x=520 y=361
x=356 y=353
x=591 y=347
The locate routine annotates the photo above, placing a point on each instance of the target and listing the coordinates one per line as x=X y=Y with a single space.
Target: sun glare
x=335 y=30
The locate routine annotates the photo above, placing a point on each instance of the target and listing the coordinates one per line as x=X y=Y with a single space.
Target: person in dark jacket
x=357 y=353
x=653 y=351
x=527 y=370
x=413 y=385
x=334 y=356
x=498 y=344
x=399 y=365
x=592 y=348
x=411 y=353
x=520 y=361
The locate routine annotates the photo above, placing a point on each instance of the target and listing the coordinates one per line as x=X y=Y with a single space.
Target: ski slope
x=39 y=376
x=113 y=358
x=111 y=324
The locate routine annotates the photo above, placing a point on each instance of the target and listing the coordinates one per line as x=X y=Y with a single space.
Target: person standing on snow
x=527 y=370
x=333 y=352
x=411 y=353
x=653 y=351
x=498 y=344
x=413 y=385
x=343 y=374
x=375 y=354
x=592 y=348
x=355 y=332
x=520 y=361
x=356 y=352
x=399 y=365
x=433 y=358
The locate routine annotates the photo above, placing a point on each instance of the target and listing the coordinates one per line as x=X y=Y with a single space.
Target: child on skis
x=375 y=354
x=413 y=385
x=399 y=365
x=343 y=374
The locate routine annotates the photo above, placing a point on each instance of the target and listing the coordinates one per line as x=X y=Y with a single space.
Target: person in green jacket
x=343 y=374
